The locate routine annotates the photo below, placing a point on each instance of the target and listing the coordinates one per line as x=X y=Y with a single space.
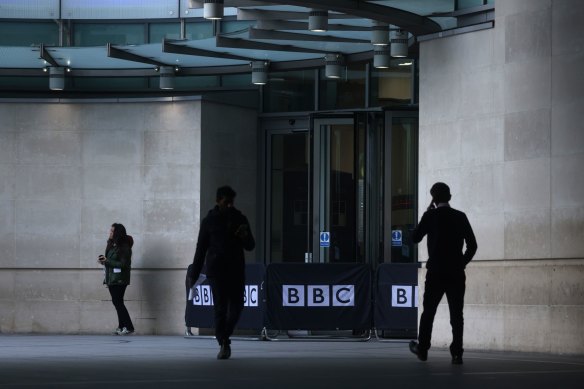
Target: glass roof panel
x=274 y=44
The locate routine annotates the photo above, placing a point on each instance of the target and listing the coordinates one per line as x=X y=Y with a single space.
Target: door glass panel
x=404 y=145
x=289 y=226
x=342 y=191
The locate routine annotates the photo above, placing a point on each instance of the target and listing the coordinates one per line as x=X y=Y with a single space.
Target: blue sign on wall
x=396 y=238
x=325 y=239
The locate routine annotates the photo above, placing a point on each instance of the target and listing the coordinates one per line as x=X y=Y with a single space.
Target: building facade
x=496 y=112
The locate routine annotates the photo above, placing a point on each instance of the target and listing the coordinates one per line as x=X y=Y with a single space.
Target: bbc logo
x=204 y=297
x=404 y=296
x=318 y=295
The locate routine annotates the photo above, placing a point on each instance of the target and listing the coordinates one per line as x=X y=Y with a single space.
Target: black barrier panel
x=396 y=297
x=318 y=296
x=199 y=310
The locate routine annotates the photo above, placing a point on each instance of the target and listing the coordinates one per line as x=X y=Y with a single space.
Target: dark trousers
x=117 y=292
x=228 y=304
x=437 y=284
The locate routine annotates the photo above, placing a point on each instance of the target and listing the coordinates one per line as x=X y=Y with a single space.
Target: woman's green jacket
x=118 y=265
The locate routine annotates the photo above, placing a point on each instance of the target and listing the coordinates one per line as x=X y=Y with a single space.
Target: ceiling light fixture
x=259 y=72
x=167 y=77
x=399 y=43
x=56 y=78
x=379 y=33
x=381 y=57
x=213 y=9
x=318 y=20
x=333 y=64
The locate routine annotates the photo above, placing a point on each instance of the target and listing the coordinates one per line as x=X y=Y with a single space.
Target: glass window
x=462 y=4
x=346 y=92
x=10 y=83
x=341 y=192
x=404 y=144
x=191 y=82
x=199 y=30
x=110 y=83
x=289 y=91
x=158 y=31
x=393 y=85
x=99 y=34
x=289 y=218
x=29 y=34
x=236 y=80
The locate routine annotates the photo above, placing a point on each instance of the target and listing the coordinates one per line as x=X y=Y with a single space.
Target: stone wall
x=502 y=122
x=68 y=170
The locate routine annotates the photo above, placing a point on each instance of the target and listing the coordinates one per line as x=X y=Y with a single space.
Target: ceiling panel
x=283 y=37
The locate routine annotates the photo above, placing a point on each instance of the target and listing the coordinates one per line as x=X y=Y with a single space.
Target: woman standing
x=117 y=262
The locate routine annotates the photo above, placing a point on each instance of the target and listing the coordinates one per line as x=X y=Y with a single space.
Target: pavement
x=108 y=361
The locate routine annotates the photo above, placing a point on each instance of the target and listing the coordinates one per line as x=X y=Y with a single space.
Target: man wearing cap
x=448 y=230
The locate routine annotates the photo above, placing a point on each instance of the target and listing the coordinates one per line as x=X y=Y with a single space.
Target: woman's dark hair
x=120 y=234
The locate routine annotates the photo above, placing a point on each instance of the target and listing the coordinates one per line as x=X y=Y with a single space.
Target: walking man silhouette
x=448 y=230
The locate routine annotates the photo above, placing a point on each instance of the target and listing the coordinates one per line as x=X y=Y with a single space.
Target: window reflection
x=404 y=144
x=98 y=34
x=289 y=197
x=393 y=85
x=346 y=92
x=29 y=34
x=289 y=91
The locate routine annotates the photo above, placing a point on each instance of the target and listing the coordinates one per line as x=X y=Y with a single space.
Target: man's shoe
x=117 y=331
x=224 y=352
x=457 y=359
x=415 y=349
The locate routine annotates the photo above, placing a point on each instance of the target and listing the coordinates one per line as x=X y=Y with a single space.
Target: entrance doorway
x=342 y=188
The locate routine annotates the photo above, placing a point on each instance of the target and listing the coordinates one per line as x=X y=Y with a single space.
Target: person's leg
x=117 y=292
x=219 y=307
x=235 y=306
x=433 y=292
x=455 y=294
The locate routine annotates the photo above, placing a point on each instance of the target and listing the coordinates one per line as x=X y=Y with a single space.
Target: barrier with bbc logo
x=199 y=310
x=305 y=296
x=396 y=298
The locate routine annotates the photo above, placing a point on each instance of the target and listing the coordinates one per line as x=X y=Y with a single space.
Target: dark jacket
x=222 y=238
x=118 y=262
x=447 y=230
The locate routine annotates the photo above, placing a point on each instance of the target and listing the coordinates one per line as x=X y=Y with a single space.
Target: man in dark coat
x=447 y=230
x=223 y=236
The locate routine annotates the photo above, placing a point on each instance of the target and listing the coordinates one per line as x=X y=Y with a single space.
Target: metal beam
x=230 y=3
x=262 y=14
x=21 y=72
x=303 y=26
x=411 y=22
x=256 y=33
x=457 y=31
x=44 y=53
x=114 y=52
x=238 y=43
x=170 y=47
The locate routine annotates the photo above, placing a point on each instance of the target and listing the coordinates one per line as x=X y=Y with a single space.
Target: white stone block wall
x=70 y=170
x=501 y=121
